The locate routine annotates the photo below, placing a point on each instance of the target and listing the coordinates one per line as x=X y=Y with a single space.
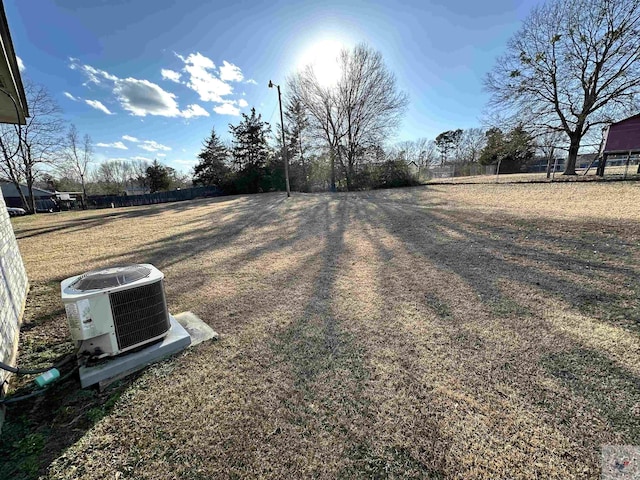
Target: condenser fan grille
x=110 y=277
x=139 y=314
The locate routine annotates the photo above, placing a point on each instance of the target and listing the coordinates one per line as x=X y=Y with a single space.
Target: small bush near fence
x=107 y=201
x=389 y=174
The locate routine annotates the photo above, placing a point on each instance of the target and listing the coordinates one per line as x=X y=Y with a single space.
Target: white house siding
x=13 y=291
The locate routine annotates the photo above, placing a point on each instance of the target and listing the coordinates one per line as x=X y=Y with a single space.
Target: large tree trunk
x=348 y=177
x=10 y=170
x=84 y=193
x=574 y=146
x=16 y=183
x=32 y=198
x=349 y=172
x=345 y=169
x=305 y=180
x=305 y=184
x=28 y=174
x=332 y=161
x=23 y=199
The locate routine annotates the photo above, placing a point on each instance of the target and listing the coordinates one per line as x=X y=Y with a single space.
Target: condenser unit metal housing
x=116 y=309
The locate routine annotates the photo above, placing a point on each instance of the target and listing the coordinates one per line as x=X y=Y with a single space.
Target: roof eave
x=11 y=64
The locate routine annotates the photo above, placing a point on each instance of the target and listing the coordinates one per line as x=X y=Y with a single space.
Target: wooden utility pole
x=284 y=145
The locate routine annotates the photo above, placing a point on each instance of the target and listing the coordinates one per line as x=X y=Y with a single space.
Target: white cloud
x=210 y=82
x=194 y=110
x=140 y=158
x=243 y=103
x=251 y=81
x=21 y=66
x=230 y=72
x=118 y=145
x=69 y=96
x=170 y=75
x=148 y=145
x=142 y=98
x=94 y=75
x=153 y=146
x=227 y=108
x=203 y=80
x=137 y=96
x=98 y=106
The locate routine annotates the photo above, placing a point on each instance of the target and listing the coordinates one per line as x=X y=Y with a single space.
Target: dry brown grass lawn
x=480 y=331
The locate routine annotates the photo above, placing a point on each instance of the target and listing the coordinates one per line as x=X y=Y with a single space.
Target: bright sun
x=323 y=55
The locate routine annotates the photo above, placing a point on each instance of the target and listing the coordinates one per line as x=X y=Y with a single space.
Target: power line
x=272 y=113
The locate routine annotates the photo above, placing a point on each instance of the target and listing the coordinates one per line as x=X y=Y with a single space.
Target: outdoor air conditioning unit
x=113 y=310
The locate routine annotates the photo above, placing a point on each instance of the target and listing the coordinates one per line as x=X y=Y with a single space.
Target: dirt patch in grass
x=475 y=331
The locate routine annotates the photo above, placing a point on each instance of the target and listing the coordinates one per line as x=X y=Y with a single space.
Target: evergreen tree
x=158 y=177
x=495 y=148
x=250 y=150
x=509 y=151
x=448 y=142
x=212 y=168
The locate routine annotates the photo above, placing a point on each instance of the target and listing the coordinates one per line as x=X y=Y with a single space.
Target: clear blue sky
x=150 y=78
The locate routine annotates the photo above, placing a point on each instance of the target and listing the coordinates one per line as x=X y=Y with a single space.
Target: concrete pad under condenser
x=198 y=330
x=117 y=367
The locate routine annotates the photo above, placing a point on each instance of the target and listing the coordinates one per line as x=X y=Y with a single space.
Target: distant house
x=414 y=168
x=12 y=196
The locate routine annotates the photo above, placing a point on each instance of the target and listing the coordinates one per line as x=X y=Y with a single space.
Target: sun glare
x=323 y=55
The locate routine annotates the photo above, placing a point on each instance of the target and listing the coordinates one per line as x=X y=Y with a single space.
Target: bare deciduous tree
x=471 y=144
x=78 y=155
x=356 y=114
x=407 y=150
x=574 y=64
x=370 y=101
x=428 y=153
x=41 y=136
x=10 y=162
x=324 y=113
x=115 y=176
x=548 y=143
x=40 y=142
x=421 y=151
x=140 y=172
